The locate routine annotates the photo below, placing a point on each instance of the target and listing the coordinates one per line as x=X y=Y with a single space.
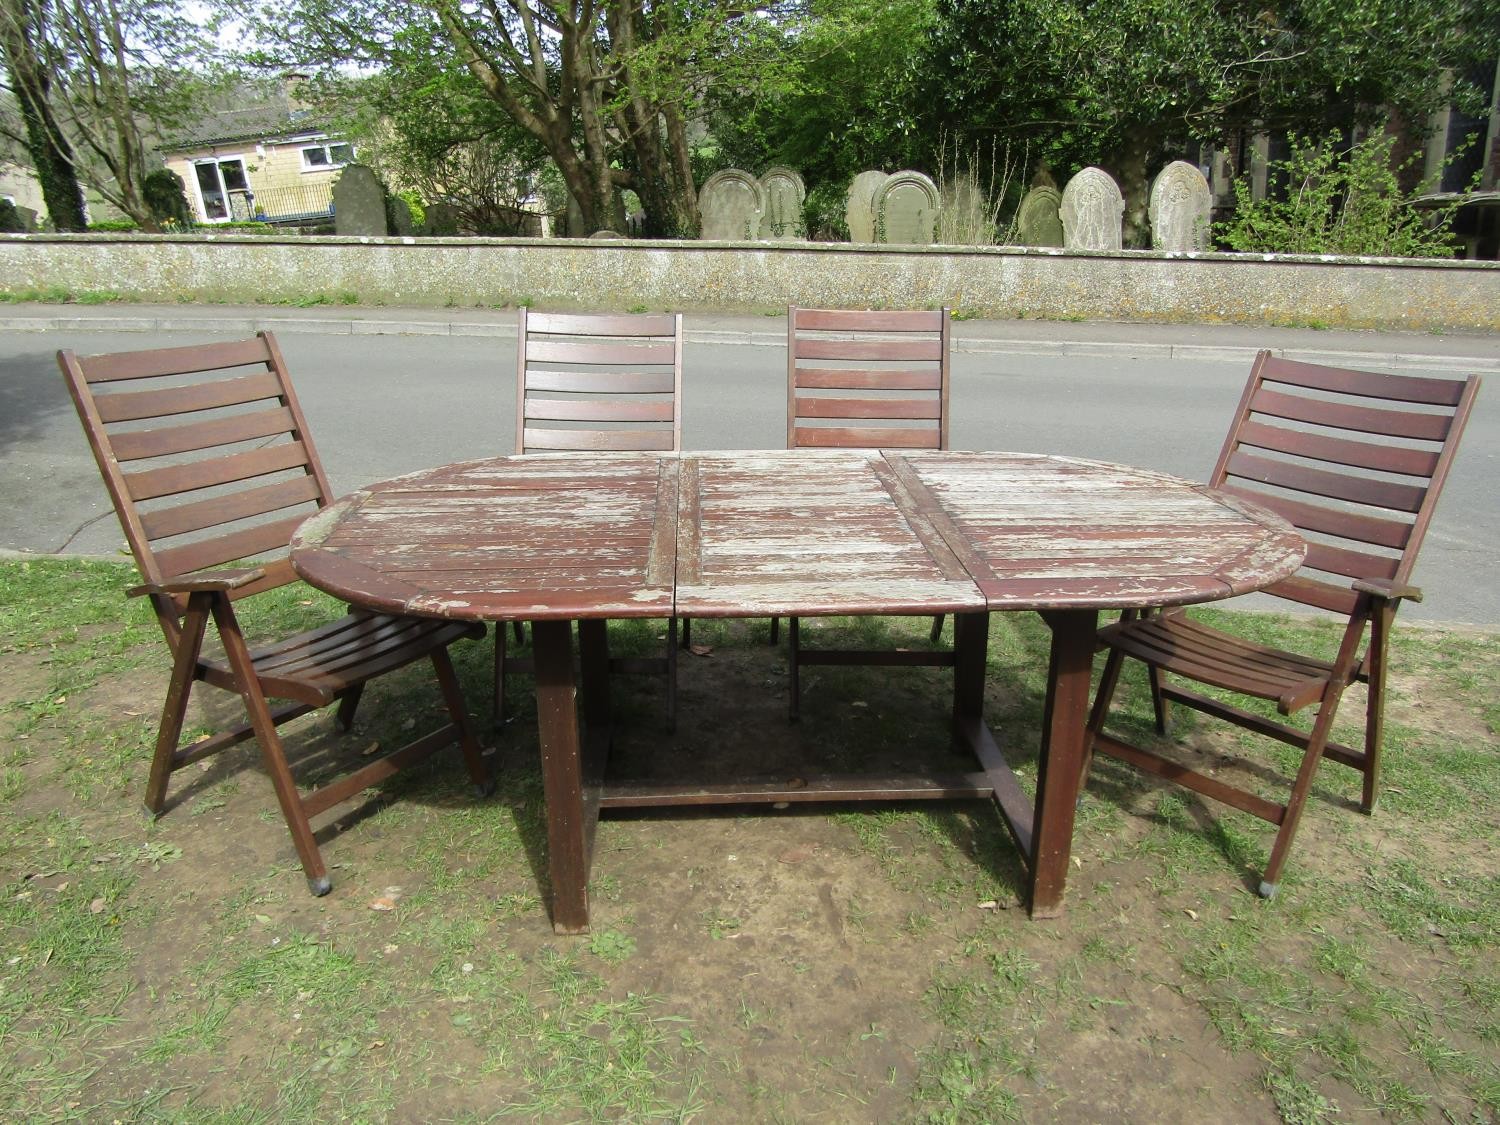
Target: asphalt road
x=393 y=391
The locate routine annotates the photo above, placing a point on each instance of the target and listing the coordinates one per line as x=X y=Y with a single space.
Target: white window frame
x=327 y=147
x=225 y=158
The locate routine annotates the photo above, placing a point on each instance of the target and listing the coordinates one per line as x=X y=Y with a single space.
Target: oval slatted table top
x=808 y=532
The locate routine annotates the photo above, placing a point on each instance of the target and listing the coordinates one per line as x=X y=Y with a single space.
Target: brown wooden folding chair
x=207 y=457
x=1356 y=461
x=588 y=381
x=866 y=380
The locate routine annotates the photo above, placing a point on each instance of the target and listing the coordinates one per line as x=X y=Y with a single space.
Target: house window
x=316 y=158
x=223 y=189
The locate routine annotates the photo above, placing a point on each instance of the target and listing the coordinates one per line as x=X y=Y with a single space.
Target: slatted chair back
x=206 y=455
x=1355 y=460
x=593 y=382
x=876 y=380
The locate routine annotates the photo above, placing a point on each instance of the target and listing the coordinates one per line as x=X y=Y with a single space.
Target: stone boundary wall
x=991 y=282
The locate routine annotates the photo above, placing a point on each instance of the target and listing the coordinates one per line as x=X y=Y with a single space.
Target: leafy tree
x=1115 y=84
x=96 y=79
x=840 y=98
x=29 y=81
x=604 y=87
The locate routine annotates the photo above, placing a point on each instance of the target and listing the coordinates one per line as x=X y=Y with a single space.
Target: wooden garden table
x=558 y=538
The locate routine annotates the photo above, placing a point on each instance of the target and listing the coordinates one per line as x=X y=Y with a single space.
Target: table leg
x=1060 y=767
x=562 y=775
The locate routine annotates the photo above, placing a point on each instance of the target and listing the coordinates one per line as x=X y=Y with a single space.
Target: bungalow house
x=263 y=158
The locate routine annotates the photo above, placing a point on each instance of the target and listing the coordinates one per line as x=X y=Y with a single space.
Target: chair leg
x=672 y=672
x=348 y=703
x=794 y=647
x=1109 y=679
x=1159 y=703
x=519 y=629
x=174 y=708
x=442 y=666
x=775 y=631
x=937 y=629
x=687 y=632
x=497 y=701
x=1380 y=628
x=271 y=749
x=1322 y=727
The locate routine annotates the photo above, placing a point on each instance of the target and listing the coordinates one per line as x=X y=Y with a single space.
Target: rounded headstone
x=859 y=212
x=784 y=195
x=906 y=209
x=1091 y=210
x=1180 y=208
x=731 y=206
x=1038 y=221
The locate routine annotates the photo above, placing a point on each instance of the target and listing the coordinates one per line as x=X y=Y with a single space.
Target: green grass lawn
x=770 y=966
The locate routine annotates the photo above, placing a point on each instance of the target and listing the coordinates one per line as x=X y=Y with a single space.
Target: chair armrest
x=1387 y=590
x=213 y=581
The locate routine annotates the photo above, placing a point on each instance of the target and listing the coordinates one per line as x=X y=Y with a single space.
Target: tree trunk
x=1134 y=153
x=50 y=155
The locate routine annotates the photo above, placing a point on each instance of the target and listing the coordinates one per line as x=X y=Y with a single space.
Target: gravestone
x=859 y=211
x=1091 y=210
x=359 y=203
x=441 y=220
x=1038 y=219
x=784 y=195
x=606 y=234
x=398 y=217
x=906 y=210
x=1180 y=208
x=731 y=206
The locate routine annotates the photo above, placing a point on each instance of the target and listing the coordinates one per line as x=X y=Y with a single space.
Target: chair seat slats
x=1343 y=451
x=246 y=543
x=1361 y=419
x=170 y=480
x=164 y=442
x=1374 y=530
x=1211 y=657
x=1372 y=384
x=160 y=362
x=134 y=405
x=244 y=504
x=1323 y=482
x=594 y=410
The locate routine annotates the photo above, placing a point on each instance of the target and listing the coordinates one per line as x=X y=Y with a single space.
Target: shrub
x=1338 y=202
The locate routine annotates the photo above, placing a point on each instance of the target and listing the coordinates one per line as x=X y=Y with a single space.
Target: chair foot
x=153 y=815
x=485 y=789
x=1268 y=890
x=319 y=886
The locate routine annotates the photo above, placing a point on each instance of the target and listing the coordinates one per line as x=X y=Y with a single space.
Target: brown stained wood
x=159 y=362
x=1356 y=419
x=1313 y=478
x=553 y=538
x=313 y=668
x=135 y=405
x=807 y=532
